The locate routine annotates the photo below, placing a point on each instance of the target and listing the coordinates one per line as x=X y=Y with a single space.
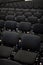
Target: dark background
x=38 y=3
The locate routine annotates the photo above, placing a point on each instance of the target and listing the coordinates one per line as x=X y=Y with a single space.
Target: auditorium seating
x=21 y=34
x=38 y=30
x=30 y=45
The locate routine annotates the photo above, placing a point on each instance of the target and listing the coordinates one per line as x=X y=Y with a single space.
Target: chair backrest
x=25 y=26
x=10 y=38
x=11 y=25
x=30 y=41
x=38 y=28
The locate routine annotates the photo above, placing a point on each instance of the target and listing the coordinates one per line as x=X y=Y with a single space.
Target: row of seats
x=25 y=50
x=21 y=34
x=18 y=15
x=22 y=5
x=22 y=10
x=17 y=5
x=22 y=18
x=23 y=26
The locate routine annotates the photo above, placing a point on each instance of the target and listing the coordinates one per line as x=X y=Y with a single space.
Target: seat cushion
x=25 y=57
x=5 y=51
x=8 y=62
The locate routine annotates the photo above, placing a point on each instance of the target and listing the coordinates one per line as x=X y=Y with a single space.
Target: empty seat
x=5 y=52
x=31 y=42
x=11 y=25
x=33 y=11
x=24 y=26
x=10 y=38
x=8 y=62
x=33 y=19
x=20 y=18
x=11 y=9
x=38 y=28
x=19 y=13
x=8 y=5
x=26 y=10
x=27 y=14
x=10 y=12
x=37 y=14
x=10 y=17
x=19 y=10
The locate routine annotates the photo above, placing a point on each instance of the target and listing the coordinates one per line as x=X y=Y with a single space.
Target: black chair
x=11 y=25
x=30 y=45
x=19 y=13
x=33 y=11
x=37 y=14
x=10 y=13
x=27 y=14
x=20 y=18
x=33 y=19
x=10 y=17
x=38 y=28
x=24 y=26
x=10 y=39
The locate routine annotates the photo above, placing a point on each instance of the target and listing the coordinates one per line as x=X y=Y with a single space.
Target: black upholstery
x=21 y=32
x=10 y=38
x=25 y=57
x=24 y=26
x=32 y=19
x=28 y=42
x=8 y=62
x=10 y=17
x=38 y=28
x=11 y=25
x=5 y=51
x=20 y=18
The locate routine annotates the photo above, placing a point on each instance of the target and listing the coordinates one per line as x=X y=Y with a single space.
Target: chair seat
x=8 y=62
x=5 y=51
x=25 y=57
